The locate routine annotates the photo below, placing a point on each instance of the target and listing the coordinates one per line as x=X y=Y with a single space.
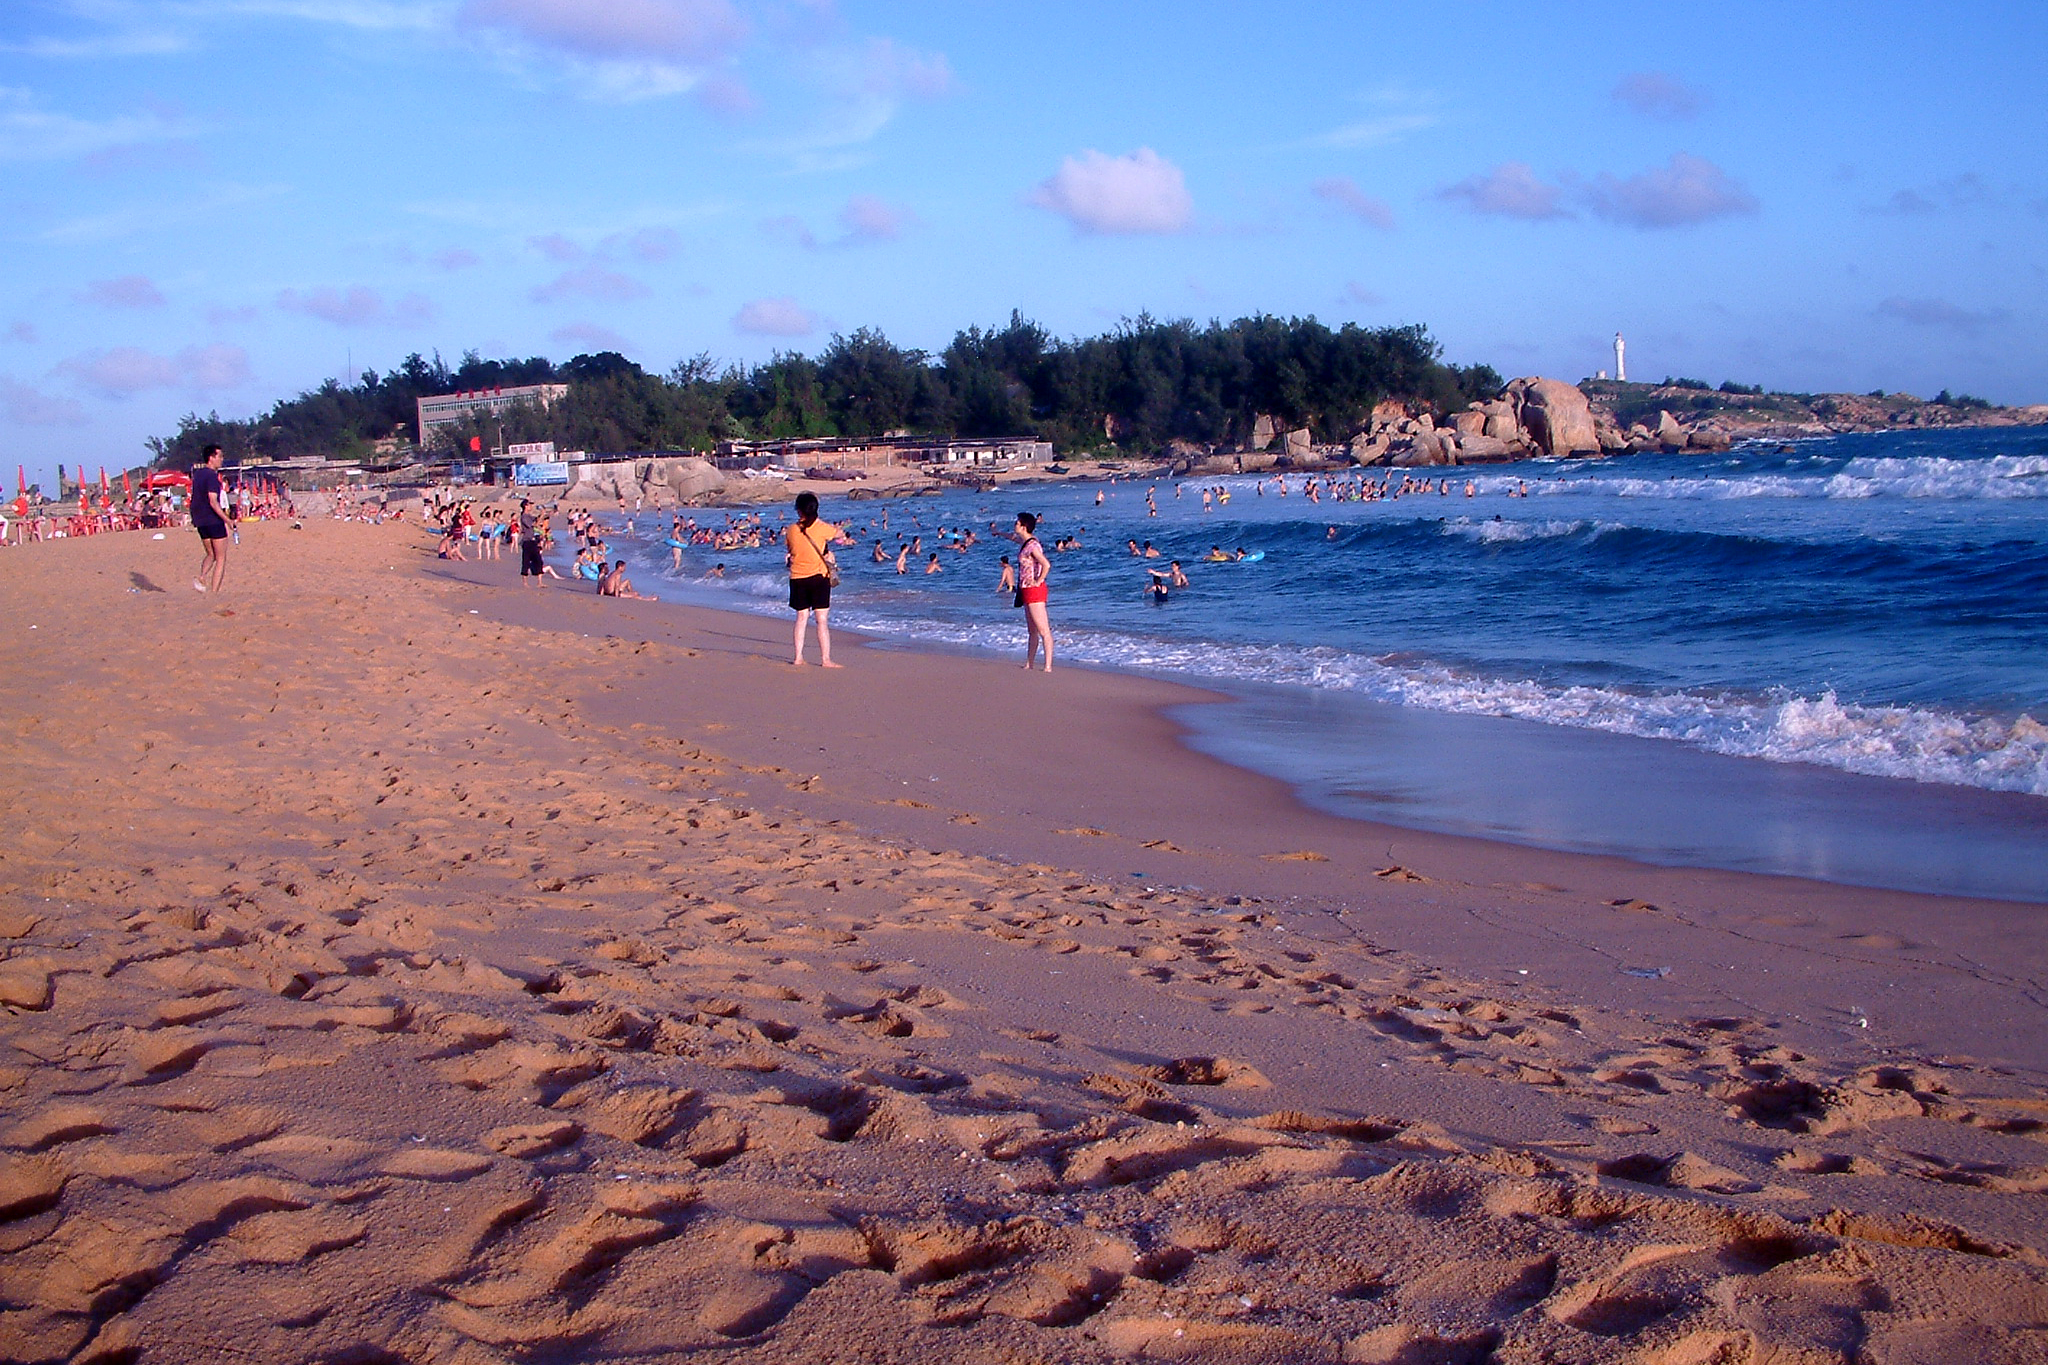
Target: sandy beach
x=403 y=965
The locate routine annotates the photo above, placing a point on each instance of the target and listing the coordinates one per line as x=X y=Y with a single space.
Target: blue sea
x=1828 y=658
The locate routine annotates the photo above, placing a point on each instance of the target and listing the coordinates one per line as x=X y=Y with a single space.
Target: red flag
x=476 y=444
x=104 y=486
x=127 y=489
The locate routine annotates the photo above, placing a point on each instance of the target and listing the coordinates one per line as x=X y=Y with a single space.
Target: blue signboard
x=531 y=475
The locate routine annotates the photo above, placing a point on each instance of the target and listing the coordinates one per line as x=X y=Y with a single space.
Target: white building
x=452 y=409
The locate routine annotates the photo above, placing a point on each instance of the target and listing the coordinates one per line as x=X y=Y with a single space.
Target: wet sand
x=401 y=964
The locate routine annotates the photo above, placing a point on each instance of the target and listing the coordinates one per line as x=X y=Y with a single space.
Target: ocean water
x=1861 y=607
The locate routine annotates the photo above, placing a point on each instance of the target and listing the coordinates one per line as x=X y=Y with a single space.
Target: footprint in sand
x=1304 y=855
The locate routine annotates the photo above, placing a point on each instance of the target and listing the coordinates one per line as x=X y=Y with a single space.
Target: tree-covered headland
x=1133 y=390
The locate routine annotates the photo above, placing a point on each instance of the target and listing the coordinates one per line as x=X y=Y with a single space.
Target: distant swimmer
x=717 y=571
x=880 y=556
x=1217 y=555
x=1156 y=584
x=932 y=565
x=1175 y=576
x=1470 y=490
x=1098 y=497
x=1008 y=582
x=1135 y=551
x=1331 y=534
x=903 y=559
x=1151 y=552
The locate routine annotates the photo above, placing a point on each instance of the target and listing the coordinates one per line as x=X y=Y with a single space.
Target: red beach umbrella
x=127 y=489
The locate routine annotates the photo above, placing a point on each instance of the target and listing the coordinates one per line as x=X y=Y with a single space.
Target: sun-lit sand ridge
x=392 y=977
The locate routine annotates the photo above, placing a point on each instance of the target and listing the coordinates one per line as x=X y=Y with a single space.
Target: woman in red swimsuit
x=1032 y=570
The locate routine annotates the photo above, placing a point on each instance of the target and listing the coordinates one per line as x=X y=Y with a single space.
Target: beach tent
x=168 y=478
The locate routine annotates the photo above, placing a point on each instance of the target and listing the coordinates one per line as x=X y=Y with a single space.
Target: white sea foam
x=1918 y=476
x=1879 y=741
x=1491 y=531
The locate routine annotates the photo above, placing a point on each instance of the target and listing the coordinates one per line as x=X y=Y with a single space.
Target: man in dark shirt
x=530 y=562
x=210 y=519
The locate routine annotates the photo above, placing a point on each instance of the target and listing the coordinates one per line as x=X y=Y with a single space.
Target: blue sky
x=210 y=204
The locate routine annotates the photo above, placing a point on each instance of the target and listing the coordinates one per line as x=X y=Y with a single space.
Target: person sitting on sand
x=616 y=584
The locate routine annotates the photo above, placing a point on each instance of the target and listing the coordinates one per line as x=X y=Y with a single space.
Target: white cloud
x=1343 y=192
x=1139 y=193
x=128 y=291
x=1941 y=313
x=1509 y=190
x=1659 y=95
x=127 y=370
x=28 y=406
x=29 y=132
x=137 y=219
x=775 y=318
x=588 y=336
x=357 y=306
x=1687 y=189
x=591 y=282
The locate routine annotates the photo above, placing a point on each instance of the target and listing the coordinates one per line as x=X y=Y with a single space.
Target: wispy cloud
x=357 y=306
x=1359 y=294
x=593 y=282
x=1685 y=190
x=128 y=291
x=454 y=258
x=1343 y=192
x=135 y=220
x=590 y=337
x=778 y=317
x=1659 y=95
x=860 y=89
x=866 y=220
x=1929 y=312
x=1510 y=190
x=1139 y=193
x=27 y=406
x=1966 y=191
x=29 y=132
x=127 y=370
x=622 y=50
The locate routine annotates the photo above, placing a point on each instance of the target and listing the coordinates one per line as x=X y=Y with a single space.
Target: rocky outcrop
x=664 y=482
x=1556 y=416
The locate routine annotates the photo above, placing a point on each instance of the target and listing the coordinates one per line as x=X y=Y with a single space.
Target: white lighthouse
x=1620 y=359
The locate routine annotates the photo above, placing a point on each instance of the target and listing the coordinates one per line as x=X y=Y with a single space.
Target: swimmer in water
x=932 y=565
x=1175 y=576
x=1008 y=582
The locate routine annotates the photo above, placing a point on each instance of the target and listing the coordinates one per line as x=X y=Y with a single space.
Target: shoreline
x=397 y=965
x=1127 y=772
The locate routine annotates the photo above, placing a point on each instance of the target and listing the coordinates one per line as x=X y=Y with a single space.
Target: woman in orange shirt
x=811 y=565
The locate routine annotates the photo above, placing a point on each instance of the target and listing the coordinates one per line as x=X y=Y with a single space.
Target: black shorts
x=529 y=559
x=810 y=594
x=211 y=530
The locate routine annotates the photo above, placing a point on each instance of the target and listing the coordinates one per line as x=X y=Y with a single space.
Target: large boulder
x=1669 y=434
x=1369 y=449
x=1472 y=423
x=1264 y=429
x=1556 y=416
x=1500 y=421
x=1300 y=445
x=1386 y=413
x=1482 y=449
